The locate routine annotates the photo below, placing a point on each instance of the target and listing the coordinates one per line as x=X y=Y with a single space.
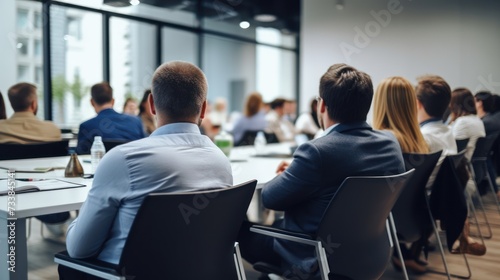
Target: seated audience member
x=485 y=104
x=23 y=126
x=108 y=124
x=163 y=162
x=218 y=114
x=463 y=120
x=3 y=111
x=253 y=118
x=130 y=107
x=290 y=110
x=307 y=123
x=303 y=189
x=277 y=123
x=433 y=98
x=147 y=118
x=395 y=110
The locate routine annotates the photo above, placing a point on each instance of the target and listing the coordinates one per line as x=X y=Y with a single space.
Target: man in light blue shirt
x=175 y=158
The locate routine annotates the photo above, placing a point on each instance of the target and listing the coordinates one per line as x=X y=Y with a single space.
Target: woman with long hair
x=395 y=110
x=253 y=117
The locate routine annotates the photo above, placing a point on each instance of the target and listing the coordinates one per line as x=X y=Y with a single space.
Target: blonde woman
x=395 y=109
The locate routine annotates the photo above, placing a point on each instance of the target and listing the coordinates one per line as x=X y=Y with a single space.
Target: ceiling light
x=134 y=2
x=244 y=24
x=265 y=17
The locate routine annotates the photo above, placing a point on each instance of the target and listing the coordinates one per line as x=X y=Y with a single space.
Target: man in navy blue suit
x=304 y=188
x=108 y=123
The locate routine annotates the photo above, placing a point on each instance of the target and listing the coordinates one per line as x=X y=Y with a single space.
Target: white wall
x=457 y=39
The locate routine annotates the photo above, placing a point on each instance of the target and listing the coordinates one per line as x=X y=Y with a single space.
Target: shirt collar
x=431 y=120
x=180 y=127
x=24 y=115
x=329 y=129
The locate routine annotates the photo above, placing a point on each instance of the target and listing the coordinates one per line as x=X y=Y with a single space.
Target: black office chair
x=352 y=239
x=110 y=144
x=409 y=212
x=447 y=203
x=37 y=150
x=180 y=236
x=479 y=165
x=249 y=136
x=462 y=144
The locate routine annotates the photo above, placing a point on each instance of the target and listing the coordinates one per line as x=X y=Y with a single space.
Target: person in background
x=23 y=126
x=3 y=111
x=147 y=118
x=277 y=122
x=395 y=110
x=485 y=104
x=307 y=123
x=108 y=123
x=218 y=114
x=253 y=118
x=130 y=107
x=290 y=109
x=304 y=188
x=174 y=158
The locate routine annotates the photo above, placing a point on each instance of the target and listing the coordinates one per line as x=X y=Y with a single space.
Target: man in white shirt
x=277 y=123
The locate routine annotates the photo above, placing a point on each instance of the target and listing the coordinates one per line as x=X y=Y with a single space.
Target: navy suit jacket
x=491 y=123
x=319 y=167
x=110 y=125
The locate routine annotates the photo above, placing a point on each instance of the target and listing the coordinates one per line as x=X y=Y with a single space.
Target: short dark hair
x=347 y=93
x=277 y=103
x=21 y=96
x=462 y=103
x=101 y=93
x=179 y=90
x=488 y=101
x=434 y=93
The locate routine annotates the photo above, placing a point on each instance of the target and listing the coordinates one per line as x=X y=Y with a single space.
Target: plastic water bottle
x=224 y=141
x=260 y=143
x=97 y=151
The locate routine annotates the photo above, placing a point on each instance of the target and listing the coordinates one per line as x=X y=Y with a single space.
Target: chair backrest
x=38 y=150
x=483 y=146
x=462 y=144
x=353 y=228
x=110 y=144
x=447 y=200
x=249 y=136
x=409 y=212
x=187 y=235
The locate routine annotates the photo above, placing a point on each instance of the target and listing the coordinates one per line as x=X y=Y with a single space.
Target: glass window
x=38 y=48
x=276 y=72
x=22 y=46
x=23 y=73
x=73 y=28
x=22 y=19
x=38 y=20
x=230 y=67
x=133 y=60
x=76 y=64
x=179 y=45
x=39 y=75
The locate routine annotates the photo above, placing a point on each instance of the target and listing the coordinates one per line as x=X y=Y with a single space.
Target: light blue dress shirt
x=175 y=158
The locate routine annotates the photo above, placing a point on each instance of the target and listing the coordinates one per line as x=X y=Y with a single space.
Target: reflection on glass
x=76 y=52
x=133 y=61
x=179 y=45
x=22 y=46
x=22 y=19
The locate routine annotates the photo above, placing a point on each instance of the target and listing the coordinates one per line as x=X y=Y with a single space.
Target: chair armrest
x=284 y=234
x=90 y=266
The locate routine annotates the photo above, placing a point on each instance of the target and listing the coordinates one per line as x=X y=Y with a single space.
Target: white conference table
x=245 y=167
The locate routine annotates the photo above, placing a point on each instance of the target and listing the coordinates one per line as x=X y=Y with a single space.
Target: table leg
x=13 y=249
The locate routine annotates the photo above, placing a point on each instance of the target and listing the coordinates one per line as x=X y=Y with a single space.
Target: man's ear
x=151 y=103
x=92 y=102
x=203 y=110
x=419 y=105
x=322 y=106
x=113 y=102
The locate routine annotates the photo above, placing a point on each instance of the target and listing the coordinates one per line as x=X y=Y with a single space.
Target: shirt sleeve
x=297 y=183
x=87 y=234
